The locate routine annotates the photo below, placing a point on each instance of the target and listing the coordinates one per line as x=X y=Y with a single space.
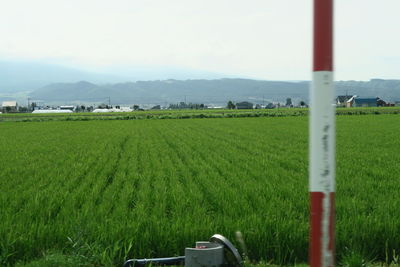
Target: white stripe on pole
x=322 y=165
x=322 y=132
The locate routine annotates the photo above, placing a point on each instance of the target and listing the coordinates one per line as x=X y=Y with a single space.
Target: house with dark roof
x=381 y=103
x=341 y=100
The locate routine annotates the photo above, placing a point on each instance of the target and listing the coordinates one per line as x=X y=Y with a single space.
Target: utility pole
x=322 y=140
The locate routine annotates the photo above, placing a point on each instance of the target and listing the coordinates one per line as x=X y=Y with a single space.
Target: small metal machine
x=219 y=251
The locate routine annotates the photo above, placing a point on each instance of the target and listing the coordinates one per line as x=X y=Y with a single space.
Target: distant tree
x=83 y=108
x=182 y=105
x=8 y=109
x=135 y=107
x=23 y=109
x=288 y=102
x=230 y=105
x=270 y=106
x=302 y=103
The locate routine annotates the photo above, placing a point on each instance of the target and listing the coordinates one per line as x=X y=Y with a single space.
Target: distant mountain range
x=215 y=92
x=22 y=76
x=54 y=84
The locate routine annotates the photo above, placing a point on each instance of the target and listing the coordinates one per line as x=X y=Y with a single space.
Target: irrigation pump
x=219 y=251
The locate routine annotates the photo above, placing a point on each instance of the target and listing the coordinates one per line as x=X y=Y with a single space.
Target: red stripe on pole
x=316 y=228
x=331 y=245
x=315 y=253
x=323 y=35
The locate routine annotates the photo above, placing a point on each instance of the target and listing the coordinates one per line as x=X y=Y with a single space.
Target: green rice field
x=97 y=192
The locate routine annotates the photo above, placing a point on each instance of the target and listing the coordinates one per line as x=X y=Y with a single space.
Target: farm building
x=355 y=101
x=67 y=108
x=9 y=106
x=101 y=110
x=244 y=105
x=365 y=102
x=42 y=111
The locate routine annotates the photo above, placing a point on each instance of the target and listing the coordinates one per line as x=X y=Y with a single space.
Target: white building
x=9 y=106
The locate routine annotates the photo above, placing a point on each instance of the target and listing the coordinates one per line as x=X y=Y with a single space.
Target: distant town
x=342 y=101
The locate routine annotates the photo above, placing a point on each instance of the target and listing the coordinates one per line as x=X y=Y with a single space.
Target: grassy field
x=99 y=192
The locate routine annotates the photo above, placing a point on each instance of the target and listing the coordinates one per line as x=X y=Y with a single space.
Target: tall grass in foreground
x=100 y=192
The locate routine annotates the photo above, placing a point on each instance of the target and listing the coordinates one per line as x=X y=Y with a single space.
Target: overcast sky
x=265 y=39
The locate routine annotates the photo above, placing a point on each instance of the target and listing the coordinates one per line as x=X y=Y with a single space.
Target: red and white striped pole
x=322 y=140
